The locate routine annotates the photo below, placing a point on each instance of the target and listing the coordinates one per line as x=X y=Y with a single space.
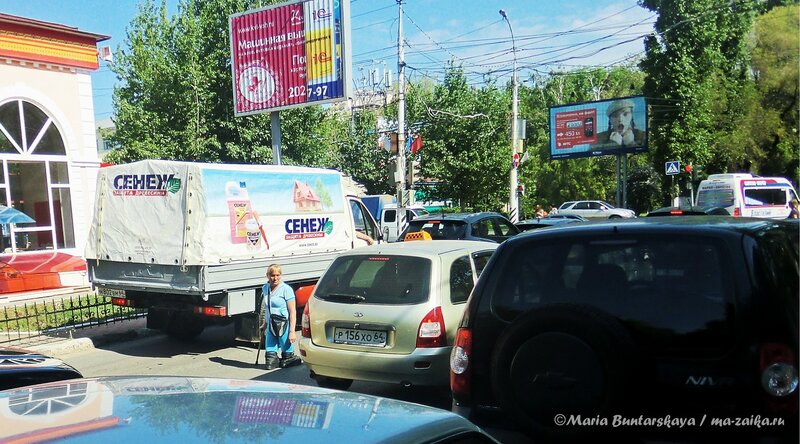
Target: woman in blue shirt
x=279 y=299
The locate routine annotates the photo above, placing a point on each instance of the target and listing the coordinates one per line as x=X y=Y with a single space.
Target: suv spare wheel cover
x=562 y=359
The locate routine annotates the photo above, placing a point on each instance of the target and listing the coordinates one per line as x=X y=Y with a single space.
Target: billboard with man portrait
x=606 y=127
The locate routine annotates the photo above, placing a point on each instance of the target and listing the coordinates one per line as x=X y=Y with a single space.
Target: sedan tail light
x=460 y=371
x=432 y=332
x=305 y=323
x=779 y=377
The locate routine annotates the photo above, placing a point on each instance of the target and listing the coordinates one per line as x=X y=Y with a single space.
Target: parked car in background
x=544 y=222
x=687 y=317
x=594 y=209
x=20 y=367
x=182 y=409
x=688 y=211
x=389 y=313
x=484 y=226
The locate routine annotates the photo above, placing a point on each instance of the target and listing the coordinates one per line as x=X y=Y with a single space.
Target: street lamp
x=513 y=179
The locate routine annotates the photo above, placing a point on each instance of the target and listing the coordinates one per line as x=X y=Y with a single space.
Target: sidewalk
x=86 y=338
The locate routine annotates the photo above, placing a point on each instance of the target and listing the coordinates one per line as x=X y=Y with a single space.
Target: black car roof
x=691 y=211
x=466 y=217
x=678 y=224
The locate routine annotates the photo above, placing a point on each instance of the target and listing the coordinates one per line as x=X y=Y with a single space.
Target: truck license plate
x=111 y=292
x=359 y=337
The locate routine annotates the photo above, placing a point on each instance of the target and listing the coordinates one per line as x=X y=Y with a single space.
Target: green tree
x=176 y=99
x=466 y=149
x=360 y=156
x=547 y=182
x=696 y=63
x=776 y=62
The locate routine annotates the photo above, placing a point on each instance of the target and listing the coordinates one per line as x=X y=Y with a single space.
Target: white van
x=747 y=195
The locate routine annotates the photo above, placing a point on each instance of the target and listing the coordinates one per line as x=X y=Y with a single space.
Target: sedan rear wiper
x=356 y=298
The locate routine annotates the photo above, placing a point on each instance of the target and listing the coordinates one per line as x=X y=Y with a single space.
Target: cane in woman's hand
x=260 y=340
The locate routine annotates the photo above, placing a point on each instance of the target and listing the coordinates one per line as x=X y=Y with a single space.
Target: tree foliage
x=176 y=101
x=696 y=64
x=721 y=85
x=776 y=68
x=549 y=183
x=466 y=147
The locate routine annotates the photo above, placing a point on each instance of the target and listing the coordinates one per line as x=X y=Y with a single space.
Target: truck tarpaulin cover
x=171 y=213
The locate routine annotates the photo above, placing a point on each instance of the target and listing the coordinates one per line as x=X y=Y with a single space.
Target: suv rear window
x=668 y=289
x=376 y=279
x=722 y=197
x=440 y=229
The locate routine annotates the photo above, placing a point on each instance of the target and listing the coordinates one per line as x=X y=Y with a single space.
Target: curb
x=73 y=345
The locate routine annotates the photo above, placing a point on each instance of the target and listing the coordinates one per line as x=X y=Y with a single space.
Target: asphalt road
x=215 y=354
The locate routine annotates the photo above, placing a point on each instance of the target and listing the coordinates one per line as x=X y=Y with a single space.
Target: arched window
x=26 y=129
x=34 y=179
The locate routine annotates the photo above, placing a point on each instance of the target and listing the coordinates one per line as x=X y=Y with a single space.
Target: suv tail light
x=432 y=332
x=460 y=371
x=779 y=377
x=305 y=323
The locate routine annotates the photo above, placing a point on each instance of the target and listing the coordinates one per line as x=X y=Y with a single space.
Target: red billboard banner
x=289 y=55
x=575 y=128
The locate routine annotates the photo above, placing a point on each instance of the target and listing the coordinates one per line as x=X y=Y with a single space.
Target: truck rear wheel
x=184 y=326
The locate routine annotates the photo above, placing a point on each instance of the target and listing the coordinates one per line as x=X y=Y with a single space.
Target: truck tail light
x=779 y=378
x=211 y=311
x=432 y=332
x=123 y=302
x=305 y=323
x=460 y=370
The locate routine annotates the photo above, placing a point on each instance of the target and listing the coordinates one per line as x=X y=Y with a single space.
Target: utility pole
x=513 y=200
x=400 y=174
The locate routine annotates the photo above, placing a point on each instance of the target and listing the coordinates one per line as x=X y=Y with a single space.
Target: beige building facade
x=48 y=147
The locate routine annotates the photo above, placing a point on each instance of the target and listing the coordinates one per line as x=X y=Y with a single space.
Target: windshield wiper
x=356 y=298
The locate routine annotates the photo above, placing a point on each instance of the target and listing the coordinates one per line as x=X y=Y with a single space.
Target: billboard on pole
x=600 y=128
x=290 y=55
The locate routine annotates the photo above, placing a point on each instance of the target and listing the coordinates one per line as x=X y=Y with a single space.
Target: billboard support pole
x=618 y=200
x=625 y=182
x=275 y=120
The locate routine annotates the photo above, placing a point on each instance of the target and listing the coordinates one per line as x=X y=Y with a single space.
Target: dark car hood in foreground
x=179 y=410
x=20 y=367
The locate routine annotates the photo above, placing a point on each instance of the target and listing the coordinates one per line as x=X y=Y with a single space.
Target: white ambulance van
x=746 y=195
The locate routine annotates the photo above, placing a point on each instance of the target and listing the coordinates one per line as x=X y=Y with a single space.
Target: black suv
x=484 y=226
x=636 y=321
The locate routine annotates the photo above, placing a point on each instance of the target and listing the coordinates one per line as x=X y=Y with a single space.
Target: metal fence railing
x=60 y=317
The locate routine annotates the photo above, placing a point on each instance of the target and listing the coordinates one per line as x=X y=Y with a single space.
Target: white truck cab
x=745 y=195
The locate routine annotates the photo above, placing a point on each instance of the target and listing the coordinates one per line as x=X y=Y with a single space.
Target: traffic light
x=692 y=171
x=521 y=190
x=412 y=172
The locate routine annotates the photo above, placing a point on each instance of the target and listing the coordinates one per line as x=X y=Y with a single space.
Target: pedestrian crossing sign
x=672 y=168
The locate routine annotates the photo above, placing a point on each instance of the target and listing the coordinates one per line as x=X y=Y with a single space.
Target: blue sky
x=548 y=35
